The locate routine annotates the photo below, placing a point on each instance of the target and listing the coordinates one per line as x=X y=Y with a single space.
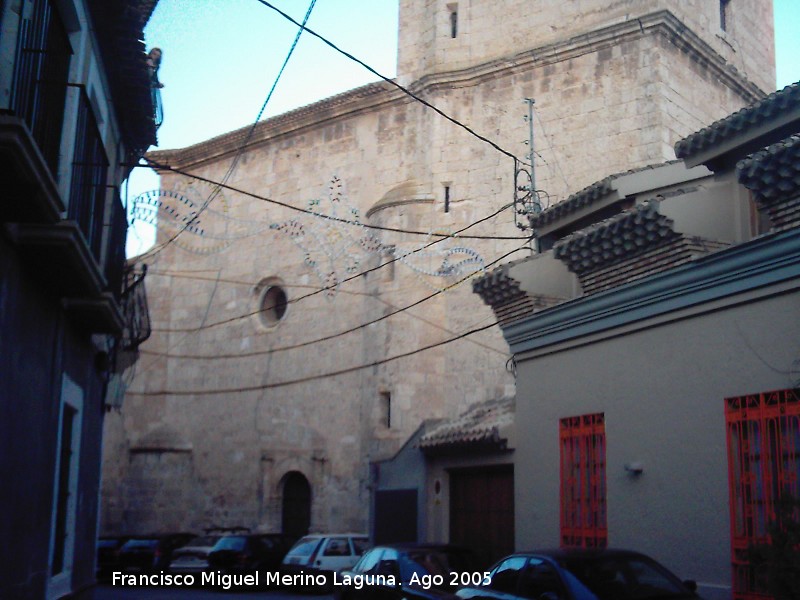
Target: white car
x=326 y=552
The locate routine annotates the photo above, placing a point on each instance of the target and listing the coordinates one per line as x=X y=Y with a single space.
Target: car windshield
x=141 y=543
x=304 y=547
x=629 y=577
x=203 y=540
x=431 y=561
x=231 y=542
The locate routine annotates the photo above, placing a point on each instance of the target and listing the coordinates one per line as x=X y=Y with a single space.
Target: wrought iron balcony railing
x=41 y=71
x=134 y=309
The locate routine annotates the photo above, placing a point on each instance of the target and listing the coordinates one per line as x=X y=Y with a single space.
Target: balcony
x=41 y=72
x=61 y=204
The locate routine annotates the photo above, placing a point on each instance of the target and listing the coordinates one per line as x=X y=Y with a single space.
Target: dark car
x=108 y=548
x=580 y=575
x=151 y=552
x=421 y=571
x=248 y=553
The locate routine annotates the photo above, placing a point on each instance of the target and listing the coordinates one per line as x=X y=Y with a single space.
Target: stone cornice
x=347 y=104
x=374 y=95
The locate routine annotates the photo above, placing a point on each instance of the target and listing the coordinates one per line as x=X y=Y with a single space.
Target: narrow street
x=109 y=592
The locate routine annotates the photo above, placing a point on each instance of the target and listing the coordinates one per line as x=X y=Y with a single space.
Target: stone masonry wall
x=614 y=100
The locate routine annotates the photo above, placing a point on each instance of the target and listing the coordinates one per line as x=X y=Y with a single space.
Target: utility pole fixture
x=526 y=196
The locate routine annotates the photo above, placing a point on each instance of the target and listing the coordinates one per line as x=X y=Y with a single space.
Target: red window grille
x=583 y=482
x=763 y=465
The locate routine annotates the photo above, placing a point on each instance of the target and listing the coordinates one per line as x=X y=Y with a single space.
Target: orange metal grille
x=763 y=465
x=583 y=482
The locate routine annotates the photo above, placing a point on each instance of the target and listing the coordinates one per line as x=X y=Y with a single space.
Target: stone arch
x=296 y=498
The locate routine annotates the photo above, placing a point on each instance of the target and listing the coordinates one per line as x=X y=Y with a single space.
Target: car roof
x=327 y=535
x=559 y=553
x=422 y=546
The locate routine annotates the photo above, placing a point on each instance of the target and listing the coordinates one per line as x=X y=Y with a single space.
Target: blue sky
x=221 y=58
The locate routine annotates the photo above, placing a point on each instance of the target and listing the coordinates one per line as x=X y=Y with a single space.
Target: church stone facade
x=284 y=358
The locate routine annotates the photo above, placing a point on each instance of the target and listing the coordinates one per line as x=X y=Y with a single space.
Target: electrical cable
x=327 y=375
x=162 y=167
x=235 y=162
x=340 y=333
x=325 y=288
x=395 y=84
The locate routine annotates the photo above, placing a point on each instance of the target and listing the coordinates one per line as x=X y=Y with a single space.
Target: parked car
x=580 y=575
x=151 y=552
x=411 y=571
x=108 y=548
x=325 y=553
x=249 y=552
x=193 y=557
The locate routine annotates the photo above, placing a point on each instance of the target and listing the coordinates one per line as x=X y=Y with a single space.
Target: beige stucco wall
x=606 y=102
x=661 y=389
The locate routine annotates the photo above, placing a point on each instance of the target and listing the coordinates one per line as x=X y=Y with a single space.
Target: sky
x=221 y=57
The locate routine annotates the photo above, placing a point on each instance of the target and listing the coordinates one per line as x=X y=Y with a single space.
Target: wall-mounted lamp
x=634 y=468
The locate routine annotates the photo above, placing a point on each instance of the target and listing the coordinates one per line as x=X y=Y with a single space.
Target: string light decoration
x=171 y=210
x=332 y=251
x=334 y=242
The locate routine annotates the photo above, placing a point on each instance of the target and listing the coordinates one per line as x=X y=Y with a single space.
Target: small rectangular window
x=447 y=198
x=386 y=409
x=453 y=10
x=723 y=14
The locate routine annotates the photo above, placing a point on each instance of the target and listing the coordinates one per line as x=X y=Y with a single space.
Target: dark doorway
x=482 y=510
x=395 y=516
x=296 y=509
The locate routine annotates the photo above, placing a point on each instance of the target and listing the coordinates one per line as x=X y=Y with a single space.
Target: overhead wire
x=346 y=331
x=253 y=388
x=328 y=287
x=394 y=83
x=302 y=27
x=163 y=167
x=235 y=162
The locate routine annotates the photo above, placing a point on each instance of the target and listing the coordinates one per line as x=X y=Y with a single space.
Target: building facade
x=288 y=344
x=75 y=108
x=680 y=308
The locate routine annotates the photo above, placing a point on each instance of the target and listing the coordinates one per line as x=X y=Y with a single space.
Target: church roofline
x=372 y=95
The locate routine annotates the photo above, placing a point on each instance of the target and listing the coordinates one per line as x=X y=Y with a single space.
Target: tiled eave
x=497 y=286
x=587 y=196
x=480 y=428
x=745 y=131
x=605 y=193
x=504 y=294
x=119 y=26
x=767 y=265
x=772 y=174
x=615 y=239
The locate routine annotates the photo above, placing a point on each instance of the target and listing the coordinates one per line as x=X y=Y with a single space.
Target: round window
x=273 y=305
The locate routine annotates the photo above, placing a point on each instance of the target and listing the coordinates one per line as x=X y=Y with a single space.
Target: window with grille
x=763 y=466
x=583 y=481
x=87 y=200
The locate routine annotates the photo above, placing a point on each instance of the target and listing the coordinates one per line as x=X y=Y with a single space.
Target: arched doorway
x=296 y=506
